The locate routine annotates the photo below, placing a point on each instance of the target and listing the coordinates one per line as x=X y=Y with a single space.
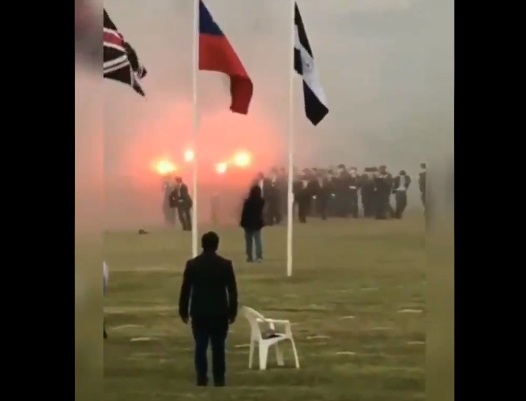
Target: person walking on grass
x=252 y=222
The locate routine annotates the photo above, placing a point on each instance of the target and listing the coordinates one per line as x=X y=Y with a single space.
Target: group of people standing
x=329 y=193
x=323 y=193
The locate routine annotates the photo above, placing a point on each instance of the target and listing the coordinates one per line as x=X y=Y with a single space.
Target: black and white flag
x=120 y=59
x=313 y=94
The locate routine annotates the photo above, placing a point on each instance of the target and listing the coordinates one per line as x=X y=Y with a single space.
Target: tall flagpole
x=195 y=125
x=290 y=195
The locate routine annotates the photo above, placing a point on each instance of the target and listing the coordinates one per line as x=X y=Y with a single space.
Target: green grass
x=367 y=269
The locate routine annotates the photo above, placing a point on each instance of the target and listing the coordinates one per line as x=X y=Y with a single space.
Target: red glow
x=164 y=129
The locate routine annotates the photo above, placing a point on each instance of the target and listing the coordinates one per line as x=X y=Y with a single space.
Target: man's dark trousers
x=213 y=331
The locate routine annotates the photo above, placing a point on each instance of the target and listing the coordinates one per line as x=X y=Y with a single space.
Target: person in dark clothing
x=383 y=184
x=181 y=200
x=209 y=297
x=302 y=197
x=252 y=222
x=264 y=184
x=331 y=202
x=400 y=186
x=367 y=192
x=422 y=183
x=322 y=196
x=382 y=194
x=341 y=189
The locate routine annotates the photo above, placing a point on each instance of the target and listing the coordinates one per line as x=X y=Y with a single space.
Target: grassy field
x=356 y=301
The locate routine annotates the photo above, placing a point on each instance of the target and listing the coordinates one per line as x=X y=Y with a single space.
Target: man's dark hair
x=210 y=241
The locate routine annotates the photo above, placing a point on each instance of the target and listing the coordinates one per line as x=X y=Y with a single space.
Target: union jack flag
x=120 y=59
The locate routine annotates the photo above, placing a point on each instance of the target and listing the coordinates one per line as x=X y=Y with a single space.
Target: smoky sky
x=386 y=66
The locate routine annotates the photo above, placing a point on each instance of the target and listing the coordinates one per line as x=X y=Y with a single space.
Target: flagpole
x=290 y=195
x=195 y=126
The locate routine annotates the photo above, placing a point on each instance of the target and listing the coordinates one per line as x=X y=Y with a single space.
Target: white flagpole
x=195 y=126
x=290 y=195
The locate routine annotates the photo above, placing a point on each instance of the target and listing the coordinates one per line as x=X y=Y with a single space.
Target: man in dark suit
x=262 y=182
x=209 y=288
x=322 y=196
x=384 y=187
x=181 y=200
x=367 y=192
x=302 y=197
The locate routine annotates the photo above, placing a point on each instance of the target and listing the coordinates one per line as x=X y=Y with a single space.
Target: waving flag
x=313 y=94
x=120 y=59
x=216 y=54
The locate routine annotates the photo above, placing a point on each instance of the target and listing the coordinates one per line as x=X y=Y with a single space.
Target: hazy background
x=386 y=65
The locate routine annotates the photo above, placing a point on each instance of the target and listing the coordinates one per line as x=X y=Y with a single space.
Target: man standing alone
x=209 y=297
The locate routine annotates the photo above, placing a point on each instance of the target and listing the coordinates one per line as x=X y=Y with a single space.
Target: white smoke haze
x=386 y=65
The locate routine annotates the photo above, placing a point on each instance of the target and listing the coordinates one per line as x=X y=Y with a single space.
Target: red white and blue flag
x=217 y=54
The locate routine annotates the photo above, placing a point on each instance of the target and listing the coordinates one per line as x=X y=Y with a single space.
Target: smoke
x=385 y=66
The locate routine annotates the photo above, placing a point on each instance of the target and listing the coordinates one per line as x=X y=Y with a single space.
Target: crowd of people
x=318 y=192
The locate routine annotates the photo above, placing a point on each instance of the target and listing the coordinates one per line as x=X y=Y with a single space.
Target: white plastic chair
x=256 y=320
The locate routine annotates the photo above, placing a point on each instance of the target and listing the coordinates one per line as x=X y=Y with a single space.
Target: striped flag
x=313 y=94
x=120 y=59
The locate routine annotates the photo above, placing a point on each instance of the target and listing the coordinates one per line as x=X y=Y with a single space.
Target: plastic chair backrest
x=252 y=316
